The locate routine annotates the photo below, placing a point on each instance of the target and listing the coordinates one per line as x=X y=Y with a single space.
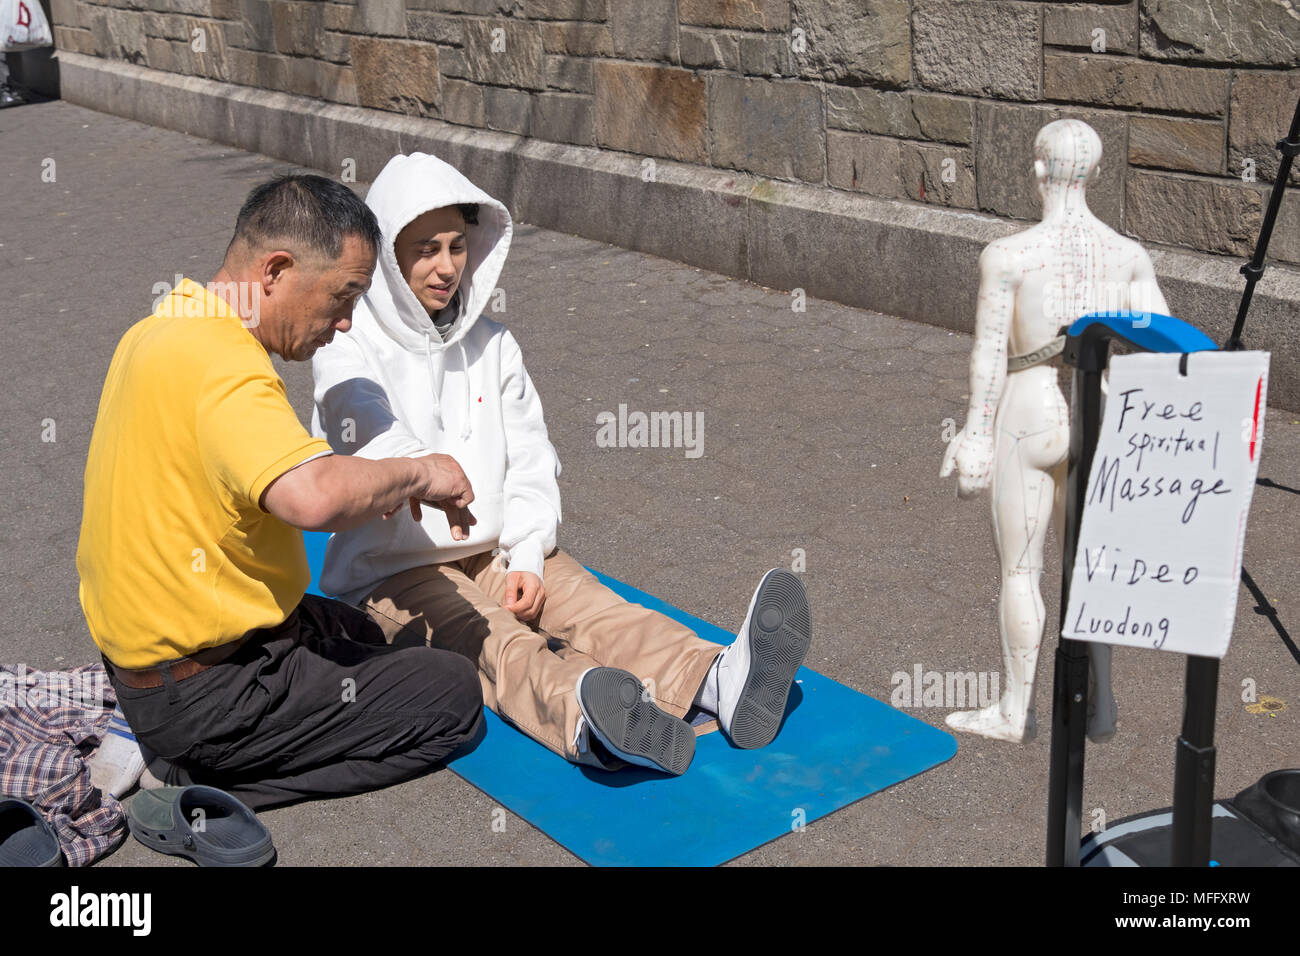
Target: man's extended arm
x=338 y=492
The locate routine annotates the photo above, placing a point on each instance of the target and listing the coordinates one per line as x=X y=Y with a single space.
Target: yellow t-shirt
x=175 y=553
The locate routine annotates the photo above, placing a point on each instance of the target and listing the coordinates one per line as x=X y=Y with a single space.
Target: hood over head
x=408 y=187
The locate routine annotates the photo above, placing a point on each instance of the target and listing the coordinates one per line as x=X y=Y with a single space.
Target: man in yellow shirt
x=193 y=573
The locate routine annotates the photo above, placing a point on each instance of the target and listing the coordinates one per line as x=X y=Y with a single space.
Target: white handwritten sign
x=1159 y=556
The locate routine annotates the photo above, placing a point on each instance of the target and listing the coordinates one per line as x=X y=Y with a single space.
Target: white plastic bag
x=23 y=25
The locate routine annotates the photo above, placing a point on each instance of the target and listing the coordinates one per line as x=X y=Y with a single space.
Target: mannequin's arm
x=1145 y=294
x=988 y=359
x=971 y=451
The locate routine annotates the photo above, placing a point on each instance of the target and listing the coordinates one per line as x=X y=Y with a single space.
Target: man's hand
x=446 y=488
x=525 y=595
x=971 y=455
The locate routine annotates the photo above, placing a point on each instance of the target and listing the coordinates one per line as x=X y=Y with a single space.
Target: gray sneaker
x=756 y=672
x=630 y=725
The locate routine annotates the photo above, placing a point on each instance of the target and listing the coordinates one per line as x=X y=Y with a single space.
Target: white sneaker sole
x=632 y=728
x=779 y=627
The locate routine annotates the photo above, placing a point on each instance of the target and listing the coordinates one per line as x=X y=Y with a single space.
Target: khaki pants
x=457 y=606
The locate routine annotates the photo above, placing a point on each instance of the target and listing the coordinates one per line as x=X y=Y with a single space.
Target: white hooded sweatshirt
x=392 y=387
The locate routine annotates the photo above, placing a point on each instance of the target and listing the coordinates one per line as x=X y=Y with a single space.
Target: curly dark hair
x=470 y=211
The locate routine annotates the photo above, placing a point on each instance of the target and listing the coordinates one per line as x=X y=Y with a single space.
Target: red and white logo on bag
x=23 y=26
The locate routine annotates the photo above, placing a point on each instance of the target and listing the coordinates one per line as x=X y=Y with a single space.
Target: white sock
x=707 y=698
x=117 y=764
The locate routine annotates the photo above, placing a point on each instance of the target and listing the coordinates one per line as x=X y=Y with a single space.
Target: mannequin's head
x=1067 y=156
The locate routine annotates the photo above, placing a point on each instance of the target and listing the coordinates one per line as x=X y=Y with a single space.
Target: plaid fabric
x=51 y=722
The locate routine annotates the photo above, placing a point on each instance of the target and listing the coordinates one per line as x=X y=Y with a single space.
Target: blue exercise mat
x=835 y=747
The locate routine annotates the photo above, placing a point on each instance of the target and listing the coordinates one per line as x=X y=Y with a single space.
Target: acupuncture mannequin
x=1017 y=432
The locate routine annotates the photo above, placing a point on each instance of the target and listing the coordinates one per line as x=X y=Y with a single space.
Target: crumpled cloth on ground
x=51 y=723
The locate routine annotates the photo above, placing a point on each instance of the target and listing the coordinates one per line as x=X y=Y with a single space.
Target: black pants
x=318 y=706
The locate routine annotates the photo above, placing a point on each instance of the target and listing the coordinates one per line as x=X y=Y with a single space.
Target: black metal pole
x=1254 y=269
x=1070 y=679
x=1194 y=764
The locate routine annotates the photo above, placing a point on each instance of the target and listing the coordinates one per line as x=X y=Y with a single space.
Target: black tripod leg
x=1194 y=765
x=1065 y=780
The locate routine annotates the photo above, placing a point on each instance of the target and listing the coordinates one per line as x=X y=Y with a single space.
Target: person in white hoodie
x=424 y=371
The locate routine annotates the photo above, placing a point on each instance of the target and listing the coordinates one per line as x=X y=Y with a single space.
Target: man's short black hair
x=469 y=211
x=311 y=214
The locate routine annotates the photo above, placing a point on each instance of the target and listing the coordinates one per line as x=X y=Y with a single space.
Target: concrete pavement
x=823 y=432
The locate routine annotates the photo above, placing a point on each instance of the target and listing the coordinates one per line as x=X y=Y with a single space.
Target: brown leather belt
x=145 y=678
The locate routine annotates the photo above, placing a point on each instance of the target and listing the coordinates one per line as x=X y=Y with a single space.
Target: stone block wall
x=925 y=101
